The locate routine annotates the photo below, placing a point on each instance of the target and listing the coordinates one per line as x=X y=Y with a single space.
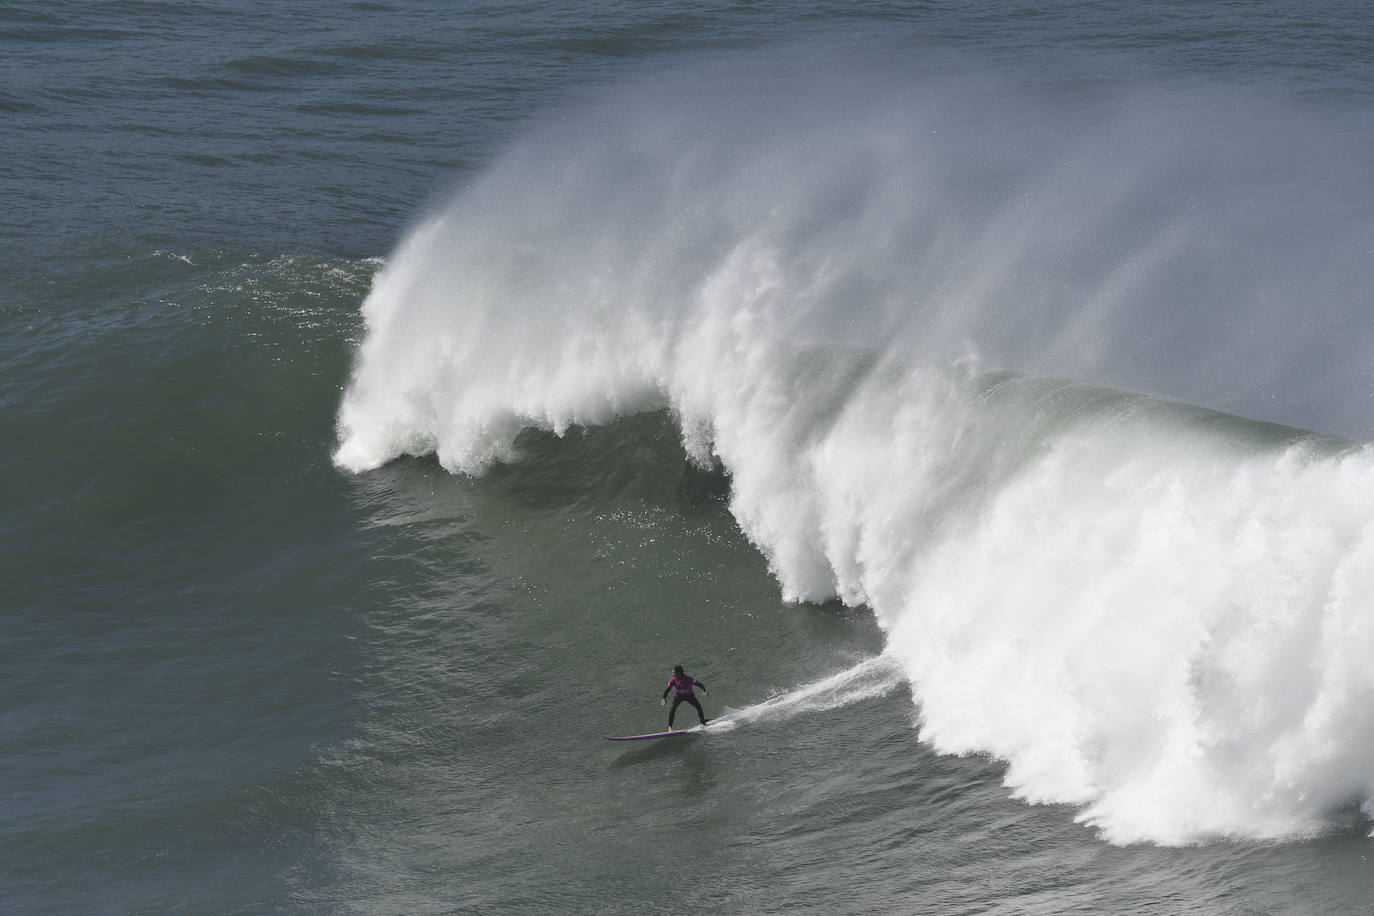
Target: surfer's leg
x=697 y=703
x=672 y=711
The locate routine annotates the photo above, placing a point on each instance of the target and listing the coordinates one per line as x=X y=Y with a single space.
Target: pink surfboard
x=672 y=734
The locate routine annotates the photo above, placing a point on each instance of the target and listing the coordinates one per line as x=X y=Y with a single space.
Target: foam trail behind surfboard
x=872 y=677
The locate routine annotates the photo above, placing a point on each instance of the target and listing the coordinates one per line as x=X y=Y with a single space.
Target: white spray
x=864 y=312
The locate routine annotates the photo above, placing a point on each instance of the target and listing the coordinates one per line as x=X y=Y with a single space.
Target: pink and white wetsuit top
x=682 y=685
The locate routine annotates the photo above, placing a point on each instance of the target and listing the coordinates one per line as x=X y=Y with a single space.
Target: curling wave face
x=904 y=329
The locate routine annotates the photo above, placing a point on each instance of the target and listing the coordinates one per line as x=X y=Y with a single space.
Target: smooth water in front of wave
x=794 y=344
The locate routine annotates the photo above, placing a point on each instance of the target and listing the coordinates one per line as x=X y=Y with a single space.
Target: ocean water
x=975 y=396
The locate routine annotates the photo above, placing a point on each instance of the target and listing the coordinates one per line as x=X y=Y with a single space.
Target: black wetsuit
x=681 y=688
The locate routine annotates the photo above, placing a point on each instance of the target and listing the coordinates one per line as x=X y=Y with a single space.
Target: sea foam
x=906 y=320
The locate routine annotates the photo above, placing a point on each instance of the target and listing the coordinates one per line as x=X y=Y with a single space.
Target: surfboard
x=672 y=734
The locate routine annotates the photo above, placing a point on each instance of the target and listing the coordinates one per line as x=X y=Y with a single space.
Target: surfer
x=681 y=687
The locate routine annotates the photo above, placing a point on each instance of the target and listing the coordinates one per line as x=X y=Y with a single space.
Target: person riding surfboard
x=681 y=687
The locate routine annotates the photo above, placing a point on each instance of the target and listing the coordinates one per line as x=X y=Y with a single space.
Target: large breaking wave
x=906 y=319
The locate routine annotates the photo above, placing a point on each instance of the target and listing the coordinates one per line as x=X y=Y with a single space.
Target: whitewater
x=1029 y=374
